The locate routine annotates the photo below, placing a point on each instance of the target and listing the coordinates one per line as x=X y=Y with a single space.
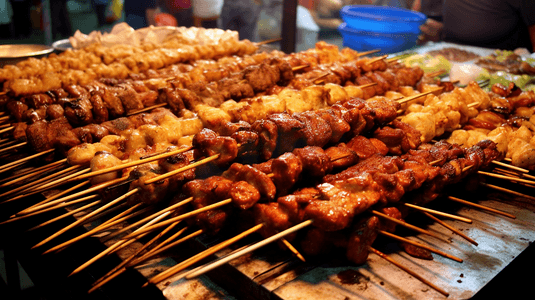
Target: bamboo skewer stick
x=146 y=256
x=61 y=181
x=371 y=61
x=181 y=266
x=132 y=164
x=268 y=41
x=112 y=247
x=12 y=219
x=166 y=244
x=72 y=212
x=412 y=273
x=439 y=213
x=136 y=253
x=81 y=220
x=8 y=143
x=436 y=73
x=49 y=199
x=7 y=166
x=154 y=215
x=135 y=112
x=507 y=177
x=13 y=147
x=260 y=244
x=75 y=195
x=481 y=207
x=181 y=217
x=7 y=129
x=292 y=248
x=29 y=186
x=506 y=190
x=31 y=173
x=367 y=52
x=405 y=224
x=190 y=166
x=522 y=170
x=410 y=98
x=402 y=239
x=450 y=228
x=123 y=216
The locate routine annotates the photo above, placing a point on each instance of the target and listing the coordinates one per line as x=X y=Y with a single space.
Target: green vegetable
x=505 y=78
x=428 y=63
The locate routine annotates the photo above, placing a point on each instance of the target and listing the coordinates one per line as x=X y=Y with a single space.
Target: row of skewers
x=206 y=142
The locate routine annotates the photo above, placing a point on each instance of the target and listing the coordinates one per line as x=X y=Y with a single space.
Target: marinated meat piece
x=248 y=141
x=79 y=111
x=213 y=220
x=273 y=217
x=317 y=131
x=342 y=156
x=362 y=146
x=39 y=100
x=173 y=99
x=130 y=99
x=17 y=109
x=239 y=172
x=38 y=136
x=235 y=88
x=116 y=126
x=391 y=137
x=149 y=193
x=34 y=115
x=363 y=235
x=268 y=136
x=388 y=225
x=208 y=143
x=314 y=161
x=100 y=112
x=290 y=132
x=19 y=131
x=338 y=125
x=176 y=162
x=369 y=91
x=83 y=134
x=264 y=167
x=103 y=160
x=149 y=98
x=382 y=85
x=416 y=251
x=230 y=128
x=112 y=103
x=286 y=170
x=261 y=77
x=54 y=111
x=244 y=195
x=77 y=91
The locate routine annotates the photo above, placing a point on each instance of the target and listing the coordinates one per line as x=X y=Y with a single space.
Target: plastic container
x=390 y=29
x=382 y=19
x=387 y=42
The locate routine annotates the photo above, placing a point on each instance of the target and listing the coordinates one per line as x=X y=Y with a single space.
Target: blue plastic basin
x=365 y=40
x=382 y=19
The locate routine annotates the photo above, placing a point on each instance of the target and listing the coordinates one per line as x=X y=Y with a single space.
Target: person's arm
x=431 y=30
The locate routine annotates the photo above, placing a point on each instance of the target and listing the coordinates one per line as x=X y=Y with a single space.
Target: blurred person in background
x=497 y=24
x=21 y=15
x=60 y=20
x=5 y=19
x=139 y=13
x=180 y=9
x=100 y=7
x=242 y=16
